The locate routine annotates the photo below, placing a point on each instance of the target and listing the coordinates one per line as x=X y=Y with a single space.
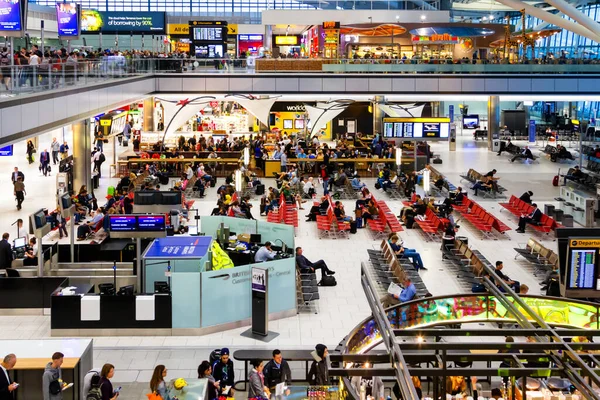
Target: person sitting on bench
x=400 y=251
x=526 y=197
x=504 y=146
x=533 y=218
x=575 y=175
x=84 y=230
x=526 y=154
x=408 y=293
x=515 y=285
x=487 y=184
x=307 y=266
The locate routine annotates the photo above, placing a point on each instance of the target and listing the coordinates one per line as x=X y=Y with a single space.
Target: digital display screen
x=470 y=122
x=416 y=128
x=209 y=51
x=123 y=223
x=67 y=17
x=151 y=223
x=208 y=34
x=582 y=269
x=93 y=21
x=10 y=15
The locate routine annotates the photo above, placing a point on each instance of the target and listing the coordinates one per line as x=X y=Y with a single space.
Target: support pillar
x=82 y=150
x=149 y=115
x=268 y=42
x=378 y=115
x=493 y=118
x=435 y=109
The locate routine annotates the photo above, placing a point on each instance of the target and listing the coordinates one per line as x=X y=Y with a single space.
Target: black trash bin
x=558 y=215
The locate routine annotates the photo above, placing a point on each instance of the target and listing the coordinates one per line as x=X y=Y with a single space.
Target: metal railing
x=20 y=79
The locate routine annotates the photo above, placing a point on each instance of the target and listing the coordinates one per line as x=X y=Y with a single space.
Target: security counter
x=27 y=295
x=32 y=357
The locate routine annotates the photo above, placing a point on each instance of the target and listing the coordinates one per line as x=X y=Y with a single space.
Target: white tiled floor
x=341 y=307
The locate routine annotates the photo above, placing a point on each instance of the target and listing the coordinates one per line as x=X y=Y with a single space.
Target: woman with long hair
x=205 y=371
x=30 y=150
x=106 y=387
x=157 y=383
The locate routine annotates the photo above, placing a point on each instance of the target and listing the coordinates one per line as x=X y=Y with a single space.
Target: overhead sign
x=331 y=25
x=250 y=38
x=93 y=21
x=178 y=29
x=6 y=151
x=286 y=40
x=416 y=128
x=436 y=38
x=10 y=15
x=67 y=18
x=232 y=29
x=199 y=23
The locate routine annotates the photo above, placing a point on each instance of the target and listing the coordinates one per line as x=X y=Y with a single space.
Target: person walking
x=55 y=147
x=52 y=383
x=44 y=161
x=64 y=150
x=98 y=158
x=19 y=190
x=16 y=175
x=157 y=382
x=30 y=150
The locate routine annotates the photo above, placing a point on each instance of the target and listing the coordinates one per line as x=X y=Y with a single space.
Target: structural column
x=493 y=118
x=435 y=109
x=82 y=150
x=268 y=42
x=378 y=115
x=149 y=115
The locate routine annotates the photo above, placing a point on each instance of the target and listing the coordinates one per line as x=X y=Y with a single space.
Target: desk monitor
x=20 y=242
x=145 y=198
x=126 y=290
x=255 y=238
x=65 y=202
x=170 y=198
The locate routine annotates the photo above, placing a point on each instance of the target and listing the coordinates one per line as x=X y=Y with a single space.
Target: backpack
x=101 y=158
x=328 y=280
x=94 y=394
x=4 y=60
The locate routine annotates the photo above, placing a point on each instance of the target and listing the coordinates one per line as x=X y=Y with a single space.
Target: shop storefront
x=286 y=45
x=435 y=46
x=292 y=118
x=250 y=45
x=366 y=41
x=331 y=39
x=179 y=35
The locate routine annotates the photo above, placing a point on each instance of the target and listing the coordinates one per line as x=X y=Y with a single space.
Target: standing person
x=277 y=371
x=64 y=150
x=319 y=370
x=126 y=132
x=223 y=371
x=157 y=383
x=99 y=136
x=44 y=161
x=5 y=67
x=55 y=147
x=30 y=150
x=16 y=175
x=62 y=225
x=256 y=381
x=204 y=371
x=6 y=254
x=19 y=190
x=7 y=387
x=98 y=158
x=52 y=383
x=106 y=387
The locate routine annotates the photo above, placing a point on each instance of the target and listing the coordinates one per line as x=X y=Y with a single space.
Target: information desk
x=92 y=314
x=28 y=295
x=34 y=355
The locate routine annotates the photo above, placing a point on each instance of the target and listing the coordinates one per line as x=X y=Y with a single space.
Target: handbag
x=154 y=396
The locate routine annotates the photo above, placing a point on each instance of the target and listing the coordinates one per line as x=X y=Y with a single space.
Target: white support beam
x=551 y=18
x=577 y=15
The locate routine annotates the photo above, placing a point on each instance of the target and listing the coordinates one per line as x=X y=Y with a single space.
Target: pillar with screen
x=582 y=275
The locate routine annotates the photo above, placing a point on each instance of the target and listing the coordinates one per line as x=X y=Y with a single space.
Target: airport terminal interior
x=400 y=197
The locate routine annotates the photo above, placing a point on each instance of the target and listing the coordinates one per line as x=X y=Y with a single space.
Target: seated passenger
x=307 y=266
x=318 y=209
x=339 y=212
x=526 y=197
x=366 y=196
x=357 y=184
x=408 y=293
x=370 y=212
x=526 y=154
x=400 y=251
x=85 y=229
x=575 y=175
x=515 y=285
x=486 y=185
x=533 y=218
x=308 y=187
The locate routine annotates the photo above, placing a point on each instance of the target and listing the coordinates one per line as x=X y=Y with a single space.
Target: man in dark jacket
x=307 y=266
x=526 y=197
x=319 y=370
x=277 y=371
x=44 y=161
x=222 y=370
x=7 y=386
x=6 y=255
x=16 y=175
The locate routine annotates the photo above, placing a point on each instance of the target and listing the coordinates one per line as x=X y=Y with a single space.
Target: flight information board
x=582 y=269
x=151 y=223
x=416 y=128
x=122 y=223
x=208 y=34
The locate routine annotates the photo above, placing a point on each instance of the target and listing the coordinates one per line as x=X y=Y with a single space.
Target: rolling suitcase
x=260 y=190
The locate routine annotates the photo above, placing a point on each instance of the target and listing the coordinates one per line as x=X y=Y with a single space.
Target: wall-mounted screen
x=299 y=123
x=208 y=50
x=67 y=17
x=416 y=128
x=288 y=124
x=10 y=16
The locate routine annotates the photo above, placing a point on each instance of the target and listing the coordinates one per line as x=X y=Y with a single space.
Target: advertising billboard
x=93 y=21
x=10 y=16
x=67 y=18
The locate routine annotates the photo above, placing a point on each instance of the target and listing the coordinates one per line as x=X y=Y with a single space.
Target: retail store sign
x=331 y=25
x=105 y=122
x=351 y=38
x=286 y=40
x=443 y=38
x=250 y=38
x=178 y=29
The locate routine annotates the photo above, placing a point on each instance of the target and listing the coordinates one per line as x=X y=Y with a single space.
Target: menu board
x=582 y=269
x=10 y=15
x=208 y=34
x=151 y=223
x=67 y=17
x=123 y=223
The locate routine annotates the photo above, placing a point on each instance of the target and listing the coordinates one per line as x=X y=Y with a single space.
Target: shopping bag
x=154 y=396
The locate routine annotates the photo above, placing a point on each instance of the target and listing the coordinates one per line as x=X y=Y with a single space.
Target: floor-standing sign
x=260 y=303
x=531 y=131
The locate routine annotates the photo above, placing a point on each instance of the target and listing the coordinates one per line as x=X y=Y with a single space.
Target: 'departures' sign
x=93 y=21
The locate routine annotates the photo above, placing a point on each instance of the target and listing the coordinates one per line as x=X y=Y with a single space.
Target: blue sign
x=10 y=15
x=67 y=17
x=6 y=151
x=179 y=247
x=451 y=112
x=531 y=131
x=123 y=223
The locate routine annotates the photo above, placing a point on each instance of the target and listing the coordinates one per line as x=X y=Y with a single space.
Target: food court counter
x=224 y=165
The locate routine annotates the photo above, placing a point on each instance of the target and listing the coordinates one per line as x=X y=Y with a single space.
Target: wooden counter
x=40 y=363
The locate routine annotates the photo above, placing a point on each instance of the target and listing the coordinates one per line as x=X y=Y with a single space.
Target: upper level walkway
x=38 y=99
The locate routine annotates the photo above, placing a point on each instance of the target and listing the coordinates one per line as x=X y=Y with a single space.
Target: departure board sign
x=151 y=223
x=582 y=268
x=10 y=15
x=137 y=226
x=208 y=34
x=416 y=128
x=122 y=223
